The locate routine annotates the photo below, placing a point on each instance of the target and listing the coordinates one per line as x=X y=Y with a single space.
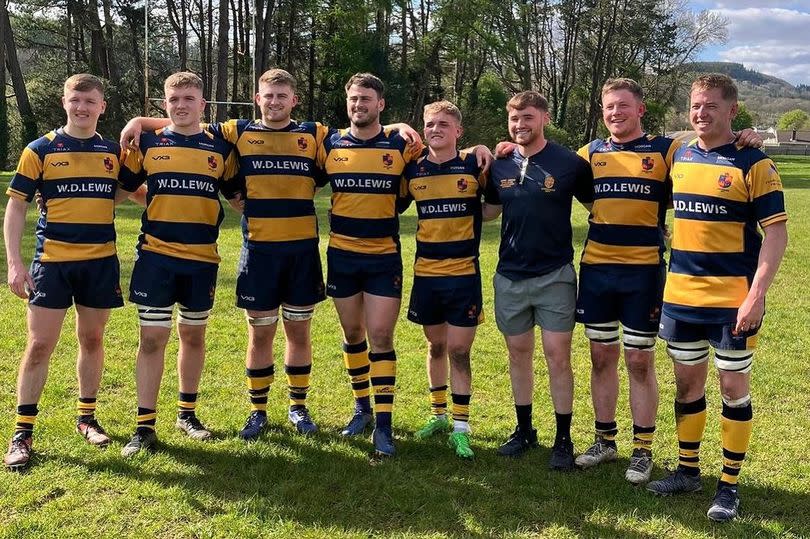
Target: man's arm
x=482 y=155
x=407 y=132
x=131 y=133
x=13 y=224
x=749 y=137
x=491 y=211
x=750 y=313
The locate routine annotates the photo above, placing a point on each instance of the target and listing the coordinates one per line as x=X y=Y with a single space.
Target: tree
x=743 y=120
x=794 y=119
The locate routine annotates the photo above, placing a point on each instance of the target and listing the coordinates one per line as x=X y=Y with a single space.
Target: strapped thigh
x=155 y=316
x=688 y=353
x=606 y=333
x=192 y=318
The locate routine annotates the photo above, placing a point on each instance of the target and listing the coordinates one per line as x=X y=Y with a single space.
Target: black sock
x=563 y=427
x=524 y=417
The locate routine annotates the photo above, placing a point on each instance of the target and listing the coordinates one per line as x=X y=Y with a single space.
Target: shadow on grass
x=327 y=481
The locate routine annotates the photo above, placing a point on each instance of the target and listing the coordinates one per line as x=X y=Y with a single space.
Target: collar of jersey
x=289 y=127
x=625 y=145
x=60 y=131
x=381 y=135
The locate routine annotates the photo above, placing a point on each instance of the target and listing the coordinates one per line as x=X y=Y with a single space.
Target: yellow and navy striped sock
x=461 y=412
x=298 y=384
x=186 y=405
x=690 y=420
x=355 y=358
x=607 y=430
x=643 y=437
x=85 y=408
x=258 y=383
x=146 y=419
x=383 y=379
x=438 y=400
x=26 y=418
x=736 y=424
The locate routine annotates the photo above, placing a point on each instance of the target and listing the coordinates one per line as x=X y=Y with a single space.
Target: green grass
x=288 y=486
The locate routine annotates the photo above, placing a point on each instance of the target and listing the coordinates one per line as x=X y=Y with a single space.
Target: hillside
x=766 y=97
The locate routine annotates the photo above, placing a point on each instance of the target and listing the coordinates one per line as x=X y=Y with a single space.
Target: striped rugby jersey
x=366 y=180
x=184 y=176
x=631 y=193
x=279 y=176
x=77 y=179
x=720 y=196
x=448 y=208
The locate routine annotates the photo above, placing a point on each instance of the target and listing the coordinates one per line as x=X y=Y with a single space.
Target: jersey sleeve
x=230 y=183
x=491 y=195
x=413 y=151
x=583 y=182
x=765 y=192
x=584 y=153
x=228 y=131
x=132 y=173
x=27 y=179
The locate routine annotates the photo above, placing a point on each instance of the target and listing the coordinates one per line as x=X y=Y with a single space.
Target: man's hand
x=237 y=203
x=483 y=157
x=407 y=132
x=750 y=313
x=19 y=280
x=131 y=134
x=504 y=148
x=750 y=138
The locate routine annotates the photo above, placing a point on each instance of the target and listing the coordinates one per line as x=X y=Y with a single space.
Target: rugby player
x=535 y=281
x=185 y=169
x=719 y=273
x=76 y=173
x=446 y=295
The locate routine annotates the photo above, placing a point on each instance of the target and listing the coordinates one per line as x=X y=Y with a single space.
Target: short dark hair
x=529 y=98
x=367 y=80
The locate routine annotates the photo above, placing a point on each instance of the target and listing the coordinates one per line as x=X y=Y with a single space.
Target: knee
x=437 y=350
x=603 y=358
x=150 y=344
x=39 y=351
x=733 y=386
x=558 y=360
x=191 y=336
x=381 y=339
x=91 y=341
x=297 y=334
x=460 y=358
x=639 y=365
x=354 y=333
x=688 y=390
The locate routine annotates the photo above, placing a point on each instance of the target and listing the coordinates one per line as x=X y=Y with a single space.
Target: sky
x=768 y=36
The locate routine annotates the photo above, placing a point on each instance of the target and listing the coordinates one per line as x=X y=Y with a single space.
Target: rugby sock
x=461 y=412
x=298 y=384
x=438 y=400
x=26 y=417
x=383 y=370
x=690 y=421
x=735 y=423
x=186 y=405
x=146 y=420
x=524 y=417
x=607 y=430
x=643 y=437
x=258 y=383
x=563 y=427
x=355 y=358
x=85 y=408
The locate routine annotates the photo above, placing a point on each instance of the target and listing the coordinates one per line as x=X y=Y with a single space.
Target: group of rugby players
x=721 y=187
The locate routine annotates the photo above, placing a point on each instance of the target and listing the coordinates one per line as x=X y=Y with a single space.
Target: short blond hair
x=443 y=106
x=278 y=76
x=183 y=79
x=84 y=82
x=623 y=83
x=716 y=80
x=526 y=99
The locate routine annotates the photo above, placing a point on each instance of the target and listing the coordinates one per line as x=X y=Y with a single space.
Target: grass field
x=289 y=486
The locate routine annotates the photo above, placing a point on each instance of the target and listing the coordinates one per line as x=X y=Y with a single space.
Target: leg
x=259 y=368
x=436 y=365
x=643 y=386
x=90 y=325
x=191 y=326
x=298 y=364
x=149 y=365
x=355 y=357
x=381 y=314
x=44 y=326
x=459 y=343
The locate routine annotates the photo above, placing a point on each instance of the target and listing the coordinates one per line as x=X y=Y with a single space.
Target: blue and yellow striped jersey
x=448 y=209
x=631 y=194
x=366 y=180
x=279 y=176
x=77 y=179
x=184 y=176
x=719 y=197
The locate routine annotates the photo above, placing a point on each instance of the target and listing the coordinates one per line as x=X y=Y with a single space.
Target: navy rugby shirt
x=536 y=195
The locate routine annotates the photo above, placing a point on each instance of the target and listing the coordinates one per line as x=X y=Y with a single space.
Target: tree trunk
x=4 y=134
x=222 y=60
x=29 y=121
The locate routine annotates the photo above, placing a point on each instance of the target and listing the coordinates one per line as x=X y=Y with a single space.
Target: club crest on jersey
x=462 y=185
x=397 y=282
x=212 y=162
x=647 y=164
x=548 y=183
x=472 y=312
x=724 y=181
x=108 y=164
x=302 y=143
x=388 y=160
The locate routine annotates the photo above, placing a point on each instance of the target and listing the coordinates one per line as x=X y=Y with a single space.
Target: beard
x=370 y=119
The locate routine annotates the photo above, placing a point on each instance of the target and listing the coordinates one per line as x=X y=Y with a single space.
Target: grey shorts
x=547 y=301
